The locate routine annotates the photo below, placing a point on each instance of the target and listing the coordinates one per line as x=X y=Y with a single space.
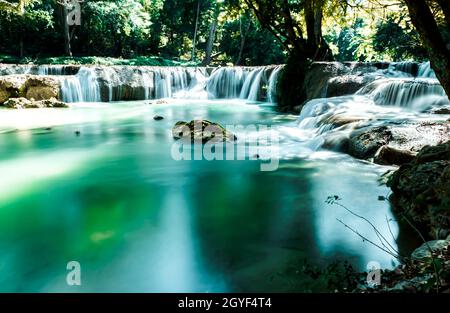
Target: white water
x=82 y=87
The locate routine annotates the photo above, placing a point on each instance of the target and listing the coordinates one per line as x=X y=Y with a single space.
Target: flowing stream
x=97 y=183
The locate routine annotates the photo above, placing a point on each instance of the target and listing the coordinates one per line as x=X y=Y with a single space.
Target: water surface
x=113 y=199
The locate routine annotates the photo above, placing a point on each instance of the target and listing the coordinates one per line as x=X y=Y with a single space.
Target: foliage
x=397 y=43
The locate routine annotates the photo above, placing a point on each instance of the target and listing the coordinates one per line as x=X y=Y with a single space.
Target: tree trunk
x=425 y=23
x=211 y=38
x=318 y=49
x=194 y=41
x=21 y=7
x=67 y=46
x=243 y=35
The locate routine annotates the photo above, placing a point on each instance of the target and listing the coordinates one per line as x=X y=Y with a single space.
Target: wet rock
x=421 y=190
x=201 y=131
x=318 y=75
x=387 y=155
x=23 y=103
x=347 y=84
x=158 y=118
x=364 y=145
x=444 y=110
x=425 y=252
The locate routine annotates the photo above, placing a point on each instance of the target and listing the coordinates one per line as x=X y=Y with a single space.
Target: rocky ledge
x=395 y=144
x=29 y=87
x=23 y=103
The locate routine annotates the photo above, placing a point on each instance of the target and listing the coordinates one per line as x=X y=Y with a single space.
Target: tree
x=20 y=9
x=286 y=21
x=425 y=22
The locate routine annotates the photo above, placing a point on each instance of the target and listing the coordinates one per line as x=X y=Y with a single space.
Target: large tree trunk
x=194 y=41
x=318 y=49
x=66 y=31
x=243 y=34
x=425 y=23
x=211 y=38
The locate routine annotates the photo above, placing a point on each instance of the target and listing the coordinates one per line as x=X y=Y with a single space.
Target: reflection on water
x=136 y=220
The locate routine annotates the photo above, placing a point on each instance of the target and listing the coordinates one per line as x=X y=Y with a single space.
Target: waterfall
x=401 y=92
x=226 y=83
x=252 y=85
x=82 y=87
x=425 y=70
x=273 y=79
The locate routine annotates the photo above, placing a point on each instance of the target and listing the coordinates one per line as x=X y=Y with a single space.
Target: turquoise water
x=113 y=199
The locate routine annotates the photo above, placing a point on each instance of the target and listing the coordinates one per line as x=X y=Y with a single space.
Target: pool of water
x=97 y=184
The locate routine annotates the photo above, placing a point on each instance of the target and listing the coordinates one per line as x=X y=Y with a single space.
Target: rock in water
x=421 y=190
x=364 y=145
x=387 y=155
x=158 y=118
x=23 y=103
x=201 y=131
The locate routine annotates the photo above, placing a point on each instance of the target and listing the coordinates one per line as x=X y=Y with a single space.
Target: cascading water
x=387 y=101
x=82 y=87
x=402 y=92
x=425 y=70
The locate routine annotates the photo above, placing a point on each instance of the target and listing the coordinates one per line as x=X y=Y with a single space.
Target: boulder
x=424 y=252
x=41 y=88
x=347 y=84
x=23 y=103
x=364 y=145
x=387 y=155
x=10 y=86
x=30 y=87
x=201 y=131
x=421 y=190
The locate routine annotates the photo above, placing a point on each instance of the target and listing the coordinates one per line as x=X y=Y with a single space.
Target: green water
x=113 y=199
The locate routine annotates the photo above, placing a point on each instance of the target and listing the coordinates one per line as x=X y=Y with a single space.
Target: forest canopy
x=209 y=32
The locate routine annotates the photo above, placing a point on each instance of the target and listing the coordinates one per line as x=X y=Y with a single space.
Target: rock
x=347 y=84
x=23 y=103
x=162 y=101
x=421 y=190
x=41 y=88
x=318 y=75
x=443 y=110
x=364 y=145
x=201 y=131
x=423 y=253
x=10 y=86
x=158 y=118
x=387 y=155
x=29 y=87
